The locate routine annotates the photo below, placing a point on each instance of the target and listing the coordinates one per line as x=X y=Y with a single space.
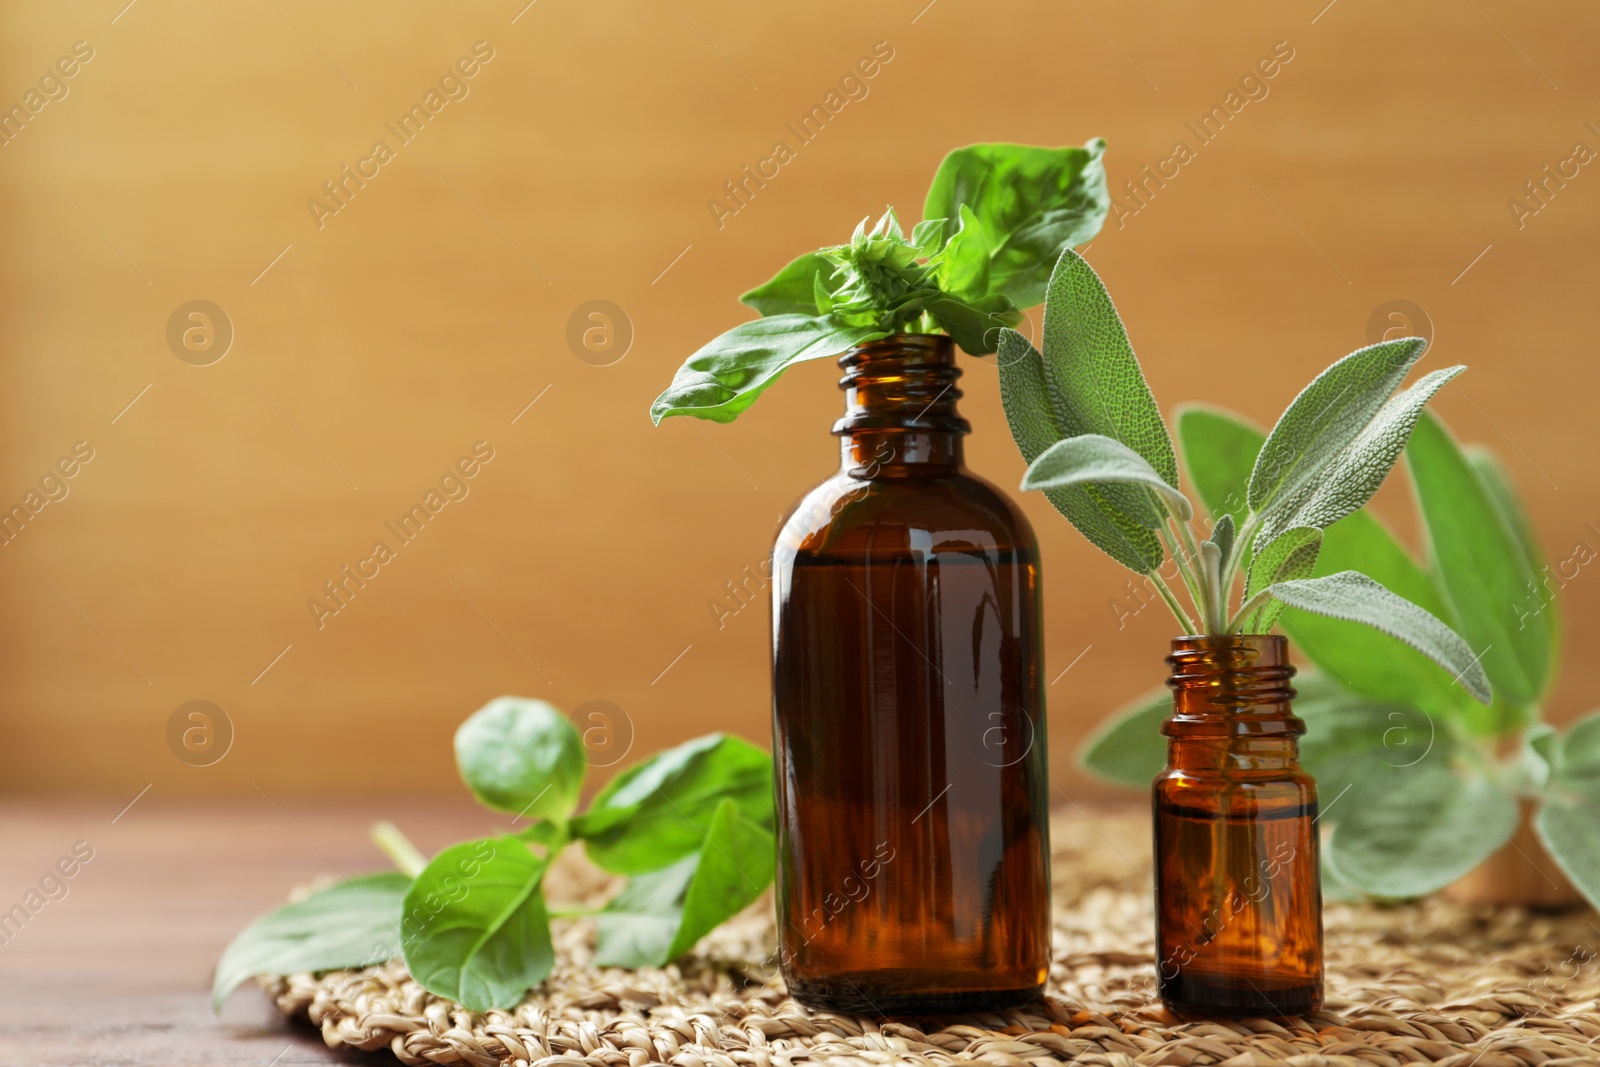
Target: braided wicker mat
x=1421 y=983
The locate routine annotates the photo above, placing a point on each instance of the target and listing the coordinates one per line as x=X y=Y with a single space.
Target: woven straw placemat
x=1431 y=982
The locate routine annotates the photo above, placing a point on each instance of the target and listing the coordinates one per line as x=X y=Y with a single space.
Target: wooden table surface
x=118 y=970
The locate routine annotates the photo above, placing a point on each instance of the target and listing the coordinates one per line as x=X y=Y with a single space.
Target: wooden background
x=373 y=350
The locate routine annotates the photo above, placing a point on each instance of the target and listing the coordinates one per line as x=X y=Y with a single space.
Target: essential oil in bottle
x=1238 y=892
x=908 y=714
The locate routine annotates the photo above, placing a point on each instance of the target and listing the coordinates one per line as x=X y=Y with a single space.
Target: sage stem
x=1172 y=602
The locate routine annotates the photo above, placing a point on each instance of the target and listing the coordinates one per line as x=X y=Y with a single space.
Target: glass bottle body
x=908 y=714
x=1238 y=891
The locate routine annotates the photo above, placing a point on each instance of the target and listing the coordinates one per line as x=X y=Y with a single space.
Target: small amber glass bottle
x=908 y=714
x=1238 y=897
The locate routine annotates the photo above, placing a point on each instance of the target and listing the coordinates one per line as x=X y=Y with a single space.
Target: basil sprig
x=996 y=218
x=691 y=827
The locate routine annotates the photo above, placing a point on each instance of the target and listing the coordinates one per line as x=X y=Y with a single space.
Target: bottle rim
x=902 y=383
x=1231 y=685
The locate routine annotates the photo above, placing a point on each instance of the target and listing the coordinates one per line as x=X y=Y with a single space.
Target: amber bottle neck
x=1231 y=702
x=900 y=407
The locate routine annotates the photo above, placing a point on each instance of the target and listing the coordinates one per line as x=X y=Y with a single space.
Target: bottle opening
x=903 y=382
x=1231 y=684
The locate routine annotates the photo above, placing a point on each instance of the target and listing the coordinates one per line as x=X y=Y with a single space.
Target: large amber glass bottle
x=1238 y=897
x=908 y=713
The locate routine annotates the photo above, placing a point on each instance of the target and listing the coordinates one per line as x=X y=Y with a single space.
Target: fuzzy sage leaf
x=1421 y=834
x=1324 y=419
x=1290 y=555
x=1219 y=451
x=1482 y=564
x=1349 y=479
x=1370 y=662
x=1497 y=486
x=1095 y=460
x=1128 y=747
x=1358 y=748
x=1353 y=597
x=1222 y=534
x=1324 y=460
x=1096 y=383
x=1034 y=427
x=1569 y=821
x=1087 y=381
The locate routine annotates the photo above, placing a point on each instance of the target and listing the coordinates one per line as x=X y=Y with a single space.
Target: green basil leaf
x=821 y=295
x=1034 y=202
x=353 y=924
x=1128 y=747
x=1290 y=555
x=659 y=811
x=1346 y=484
x=888 y=225
x=659 y=916
x=1354 y=597
x=638 y=926
x=1034 y=427
x=963 y=270
x=1368 y=661
x=475 y=927
x=793 y=290
x=1428 y=829
x=1481 y=563
x=1097 y=460
x=976 y=326
x=1324 y=418
x=1219 y=451
x=725 y=377
x=927 y=237
x=522 y=756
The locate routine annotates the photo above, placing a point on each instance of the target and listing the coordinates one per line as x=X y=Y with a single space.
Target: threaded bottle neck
x=903 y=382
x=1231 y=685
x=900 y=415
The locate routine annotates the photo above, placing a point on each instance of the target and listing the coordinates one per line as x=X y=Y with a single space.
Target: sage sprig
x=1420 y=783
x=691 y=828
x=1097 y=446
x=995 y=219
